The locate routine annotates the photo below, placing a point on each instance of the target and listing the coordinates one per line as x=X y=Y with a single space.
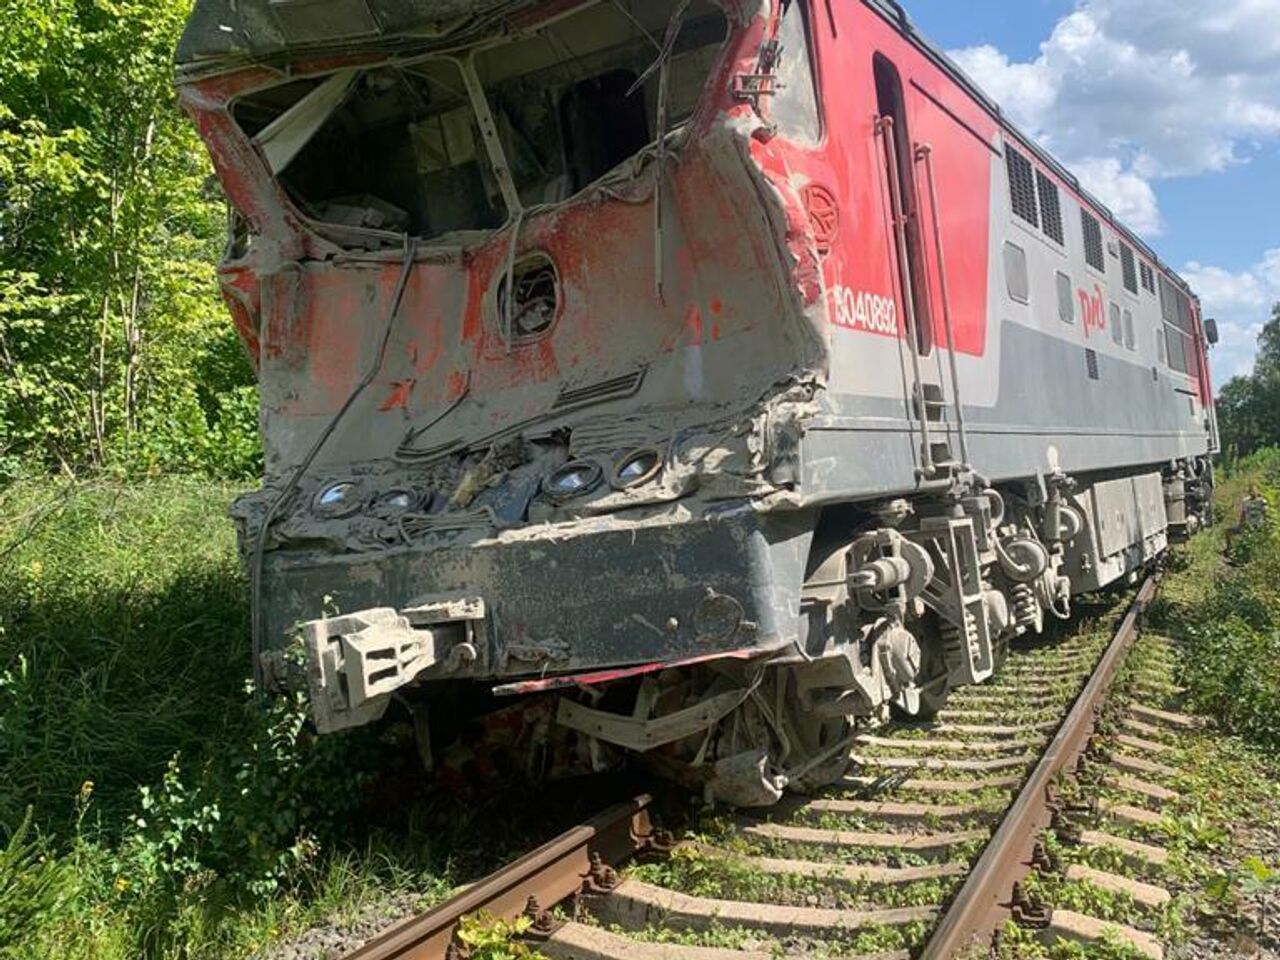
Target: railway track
x=946 y=832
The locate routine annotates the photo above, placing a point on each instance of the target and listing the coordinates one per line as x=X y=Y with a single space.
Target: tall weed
x=1226 y=606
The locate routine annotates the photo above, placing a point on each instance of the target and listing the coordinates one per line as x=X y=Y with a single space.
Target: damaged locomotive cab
x=451 y=144
x=633 y=381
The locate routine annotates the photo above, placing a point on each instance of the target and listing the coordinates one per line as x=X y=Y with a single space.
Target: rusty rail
x=553 y=872
x=984 y=902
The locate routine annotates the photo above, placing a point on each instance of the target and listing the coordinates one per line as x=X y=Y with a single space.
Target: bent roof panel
x=228 y=29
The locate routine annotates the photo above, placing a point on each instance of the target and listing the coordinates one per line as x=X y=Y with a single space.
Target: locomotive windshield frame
x=460 y=143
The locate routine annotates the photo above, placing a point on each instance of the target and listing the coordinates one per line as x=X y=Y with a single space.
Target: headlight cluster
x=579 y=477
x=342 y=499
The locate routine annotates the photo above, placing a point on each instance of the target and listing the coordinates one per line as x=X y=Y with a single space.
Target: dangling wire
x=260 y=542
x=507 y=304
x=662 y=64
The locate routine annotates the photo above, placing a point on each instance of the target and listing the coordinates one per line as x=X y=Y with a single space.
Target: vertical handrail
x=886 y=128
x=925 y=152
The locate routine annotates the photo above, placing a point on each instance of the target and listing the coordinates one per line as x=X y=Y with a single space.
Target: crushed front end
x=535 y=353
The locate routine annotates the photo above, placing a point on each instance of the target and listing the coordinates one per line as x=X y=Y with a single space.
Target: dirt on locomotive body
x=720 y=374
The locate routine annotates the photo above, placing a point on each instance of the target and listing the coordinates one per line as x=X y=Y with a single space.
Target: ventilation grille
x=1148 y=277
x=1127 y=265
x=618 y=387
x=1093 y=252
x=1091 y=363
x=1050 y=207
x=1022 y=187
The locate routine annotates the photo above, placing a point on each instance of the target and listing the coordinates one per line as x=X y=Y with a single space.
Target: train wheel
x=772 y=743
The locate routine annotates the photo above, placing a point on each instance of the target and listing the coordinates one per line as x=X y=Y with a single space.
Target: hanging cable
x=290 y=488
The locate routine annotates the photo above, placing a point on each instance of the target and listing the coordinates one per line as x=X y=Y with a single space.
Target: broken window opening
x=793 y=108
x=537 y=299
x=399 y=149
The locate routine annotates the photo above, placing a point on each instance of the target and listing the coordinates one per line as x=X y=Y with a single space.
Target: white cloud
x=1129 y=92
x=1126 y=92
x=1128 y=195
x=1241 y=303
x=1025 y=90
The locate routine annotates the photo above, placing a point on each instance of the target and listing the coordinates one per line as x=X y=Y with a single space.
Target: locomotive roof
x=222 y=30
x=231 y=29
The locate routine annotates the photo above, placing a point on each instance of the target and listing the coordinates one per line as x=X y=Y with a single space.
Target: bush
x=249 y=819
x=217 y=438
x=1229 y=613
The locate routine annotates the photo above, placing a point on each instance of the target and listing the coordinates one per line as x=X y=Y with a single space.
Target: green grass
x=148 y=806
x=1227 y=611
x=122 y=641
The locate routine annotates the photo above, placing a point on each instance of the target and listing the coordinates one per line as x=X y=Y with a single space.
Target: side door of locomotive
x=913 y=156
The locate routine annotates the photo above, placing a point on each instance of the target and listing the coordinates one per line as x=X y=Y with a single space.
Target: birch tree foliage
x=114 y=346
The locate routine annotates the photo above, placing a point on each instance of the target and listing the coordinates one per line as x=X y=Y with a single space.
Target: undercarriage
x=900 y=602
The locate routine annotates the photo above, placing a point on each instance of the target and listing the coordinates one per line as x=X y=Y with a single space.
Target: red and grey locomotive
x=722 y=373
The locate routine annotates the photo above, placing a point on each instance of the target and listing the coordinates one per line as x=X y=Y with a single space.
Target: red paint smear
x=457 y=384
x=607 y=676
x=693 y=325
x=401 y=391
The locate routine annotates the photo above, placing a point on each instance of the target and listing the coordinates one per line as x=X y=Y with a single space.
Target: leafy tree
x=108 y=237
x=1249 y=407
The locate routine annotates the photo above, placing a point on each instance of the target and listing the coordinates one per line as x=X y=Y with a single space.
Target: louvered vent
x=1093 y=252
x=1050 y=207
x=1148 y=277
x=1022 y=186
x=1127 y=264
x=613 y=389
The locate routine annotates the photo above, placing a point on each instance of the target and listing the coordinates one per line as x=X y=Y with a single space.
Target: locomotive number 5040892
x=860 y=310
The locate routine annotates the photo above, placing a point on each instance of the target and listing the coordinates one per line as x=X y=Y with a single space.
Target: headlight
x=337 y=500
x=573 y=480
x=637 y=467
x=398 y=501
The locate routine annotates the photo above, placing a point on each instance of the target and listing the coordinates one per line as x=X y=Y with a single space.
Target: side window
x=1117 y=324
x=1130 y=338
x=794 y=107
x=1176 y=310
x=1066 y=299
x=1015 y=272
x=1160 y=345
x=1093 y=253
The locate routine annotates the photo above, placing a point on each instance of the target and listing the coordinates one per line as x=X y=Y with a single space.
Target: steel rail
x=984 y=902
x=553 y=872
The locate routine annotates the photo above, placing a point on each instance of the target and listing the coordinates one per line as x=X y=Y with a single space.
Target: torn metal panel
x=230 y=29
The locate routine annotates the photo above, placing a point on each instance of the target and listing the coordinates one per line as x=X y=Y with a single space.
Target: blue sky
x=1168 y=110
